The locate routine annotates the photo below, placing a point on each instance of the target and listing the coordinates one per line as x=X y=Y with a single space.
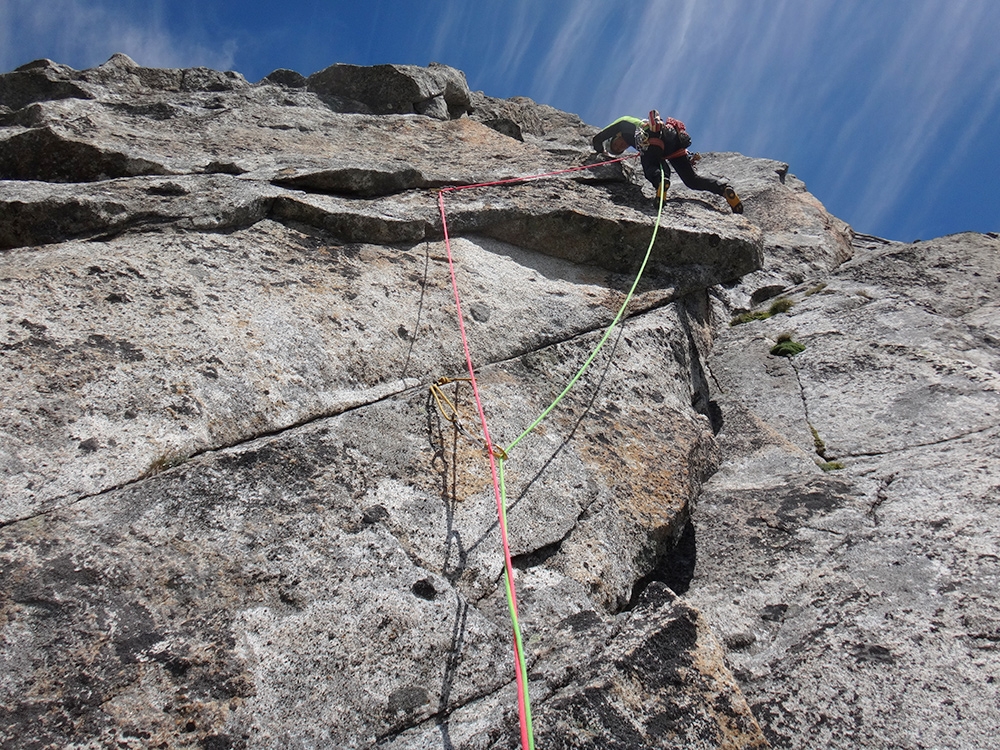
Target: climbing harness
x=498 y=456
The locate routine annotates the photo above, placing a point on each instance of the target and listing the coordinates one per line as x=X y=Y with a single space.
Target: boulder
x=437 y=91
x=42 y=80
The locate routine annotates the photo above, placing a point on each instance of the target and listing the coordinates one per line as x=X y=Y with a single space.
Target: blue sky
x=888 y=110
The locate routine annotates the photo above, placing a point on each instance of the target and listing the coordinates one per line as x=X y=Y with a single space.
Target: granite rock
x=846 y=546
x=235 y=512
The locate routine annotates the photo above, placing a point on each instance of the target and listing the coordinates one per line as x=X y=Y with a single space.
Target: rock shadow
x=675 y=568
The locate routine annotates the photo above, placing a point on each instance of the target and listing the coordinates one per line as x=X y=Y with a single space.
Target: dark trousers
x=652 y=159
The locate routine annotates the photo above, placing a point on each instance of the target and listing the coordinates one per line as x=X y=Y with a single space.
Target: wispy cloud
x=521 y=22
x=83 y=33
x=928 y=85
x=499 y=37
x=573 y=54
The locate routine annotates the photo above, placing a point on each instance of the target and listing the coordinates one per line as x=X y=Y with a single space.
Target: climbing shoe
x=733 y=200
x=661 y=191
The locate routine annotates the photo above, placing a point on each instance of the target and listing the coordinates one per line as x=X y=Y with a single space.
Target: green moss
x=817 y=441
x=748 y=316
x=780 y=305
x=821 y=452
x=787 y=348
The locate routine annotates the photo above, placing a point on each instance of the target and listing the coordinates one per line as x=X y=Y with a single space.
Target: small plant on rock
x=748 y=316
x=822 y=462
x=818 y=443
x=780 y=305
x=162 y=463
x=786 y=347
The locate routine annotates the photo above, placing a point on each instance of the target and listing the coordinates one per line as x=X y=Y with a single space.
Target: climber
x=661 y=143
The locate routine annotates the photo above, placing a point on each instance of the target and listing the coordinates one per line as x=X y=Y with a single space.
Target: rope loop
x=442 y=400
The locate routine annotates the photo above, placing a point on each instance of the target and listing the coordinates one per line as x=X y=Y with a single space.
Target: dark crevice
x=366 y=184
x=691 y=312
x=353 y=227
x=881 y=496
x=80 y=221
x=675 y=567
x=539 y=556
x=355 y=182
x=819 y=446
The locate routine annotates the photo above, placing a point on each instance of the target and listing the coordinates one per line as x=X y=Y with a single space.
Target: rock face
x=860 y=604
x=235 y=513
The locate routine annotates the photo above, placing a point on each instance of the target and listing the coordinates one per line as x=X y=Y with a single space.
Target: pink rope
x=535 y=176
x=508 y=564
x=526 y=740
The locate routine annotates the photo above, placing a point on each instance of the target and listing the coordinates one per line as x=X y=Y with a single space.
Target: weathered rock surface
x=233 y=513
x=261 y=222
x=860 y=604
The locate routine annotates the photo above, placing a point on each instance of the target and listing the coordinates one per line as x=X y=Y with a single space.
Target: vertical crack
x=818 y=444
x=881 y=496
x=675 y=567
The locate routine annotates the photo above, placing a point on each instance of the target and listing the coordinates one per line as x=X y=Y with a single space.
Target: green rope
x=607 y=333
x=512 y=609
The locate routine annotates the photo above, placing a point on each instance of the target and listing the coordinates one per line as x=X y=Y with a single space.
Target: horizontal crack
x=832 y=532
x=928 y=444
x=408 y=384
x=440 y=717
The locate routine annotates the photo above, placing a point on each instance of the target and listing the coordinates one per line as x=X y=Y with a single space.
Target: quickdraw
x=450 y=413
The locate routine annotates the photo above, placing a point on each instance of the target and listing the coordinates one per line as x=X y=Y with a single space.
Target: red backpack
x=676 y=125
